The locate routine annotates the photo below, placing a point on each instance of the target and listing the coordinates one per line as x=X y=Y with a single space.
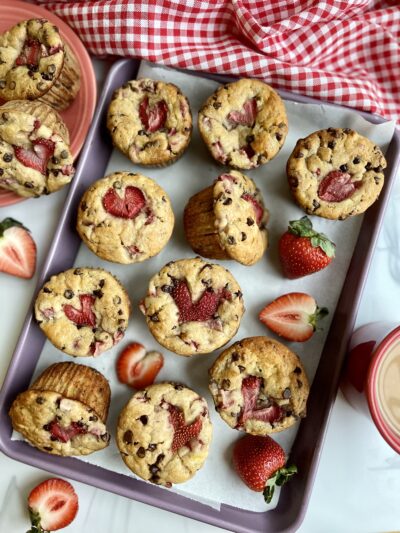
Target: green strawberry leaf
x=9 y=223
x=304 y=228
x=320 y=313
x=279 y=478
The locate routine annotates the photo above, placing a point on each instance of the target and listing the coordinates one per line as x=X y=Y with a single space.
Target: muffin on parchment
x=36 y=63
x=64 y=412
x=243 y=124
x=335 y=173
x=150 y=121
x=35 y=156
x=83 y=311
x=228 y=220
x=259 y=386
x=164 y=433
x=193 y=307
x=125 y=218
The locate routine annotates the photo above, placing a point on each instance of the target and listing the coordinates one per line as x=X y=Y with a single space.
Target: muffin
x=150 y=122
x=193 y=307
x=64 y=411
x=335 y=173
x=243 y=124
x=259 y=386
x=83 y=311
x=35 y=156
x=35 y=63
x=164 y=433
x=228 y=220
x=125 y=218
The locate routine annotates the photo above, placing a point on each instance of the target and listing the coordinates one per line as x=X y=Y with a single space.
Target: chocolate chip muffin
x=335 y=173
x=83 y=311
x=228 y=220
x=36 y=63
x=164 y=433
x=193 y=307
x=125 y=218
x=243 y=124
x=259 y=386
x=35 y=156
x=64 y=411
x=150 y=122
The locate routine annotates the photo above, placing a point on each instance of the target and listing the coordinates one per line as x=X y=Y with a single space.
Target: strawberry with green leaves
x=261 y=464
x=303 y=251
x=17 y=249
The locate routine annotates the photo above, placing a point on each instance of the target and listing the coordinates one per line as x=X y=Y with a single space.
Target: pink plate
x=79 y=115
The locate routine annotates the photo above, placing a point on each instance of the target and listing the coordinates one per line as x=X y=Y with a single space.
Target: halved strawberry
x=337 y=186
x=83 y=316
x=153 y=118
x=138 y=368
x=64 y=434
x=293 y=316
x=37 y=158
x=17 y=249
x=52 y=505
x=246 y=116
x=127 y=207
x=183 y=433
x=30 y=54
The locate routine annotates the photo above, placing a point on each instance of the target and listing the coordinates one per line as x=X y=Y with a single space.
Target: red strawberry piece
x=30 y=54
x=337 y=186
x=227 y=177
x=37 y=124
x=153 y=117
x=127 y=207
x=293 y=316
x=52 y=505
x=138 y=368
x=260 y=463
x=218 y=152
x=258 y=209
x=246 y=116
x=37 y=158
x=83 y=316
x=303 y=251
x=205 y=307
x=183 y=433
x=67 y=170
x=65 y=434
x=17 y=249
x=250 y=391
x=248 y=150
x=97 y=347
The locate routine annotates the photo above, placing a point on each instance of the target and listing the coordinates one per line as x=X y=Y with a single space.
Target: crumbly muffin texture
x=240 y=217
x=243 y=124
x=259 y=386
x=193 y=307
x=335 y=173
x=31 y=59
x=164 y=433
x=83 y=311
x=150 y=121
x=125 y=218
x=35 y=157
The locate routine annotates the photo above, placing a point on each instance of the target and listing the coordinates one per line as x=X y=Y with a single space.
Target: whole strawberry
x=260 y=463
x=303 y=251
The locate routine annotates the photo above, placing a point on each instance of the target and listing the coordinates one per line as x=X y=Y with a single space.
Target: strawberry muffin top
x=259 y=386
x=64 y=411
x=193 y=307
x=31 y=59
x=83 y=311
x=164 y=433
x=243 y=124
x=335 y=173
x=150 y=121
x=35 y=157
x=125 y=218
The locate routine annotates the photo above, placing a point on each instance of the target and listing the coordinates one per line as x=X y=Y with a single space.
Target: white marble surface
x=357 y=485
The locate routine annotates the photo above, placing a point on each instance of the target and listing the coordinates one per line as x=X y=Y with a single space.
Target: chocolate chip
x=141 y=132
x=178 y=386
x=105 y=437
x=102 y=283
x=128 y=437
x=299 y=155
x=98 y=293
x=244 y=236
x=250 y=221
x=7 y=157
x=68 y=294
x=28 y=185
x=160 y=457
x=217 y=105
x=356 y=160
x=368 y=166
x=1 y=171
x=12 y=85
x=278 y=136
x=117 y=300
x=239 y=294
x=83 y=206
x=154 y=318
x=117 y=185
x=235 y=356
x=297 y=370
x=154 y=469
x=241 y=368
x=64 y=154
x=154 y=478
x=152 y=447
x=143 y=419
x=343 y=168
x=47 y=427
x=141 y=452
x=2 y=84
x=53 y=438
x=51 y=68
x=41 y=86
x=93 y=418
x=299 y=383
x=250 y=139
x=377 y=179
x=288 y=413
x=347 y=130
x=78 y=271
x=287 y=393
x=40 y=400
x=48 y=448
x=167 y=288
x=331 y=144
x=316 y=205
x=293 y=182
x=55 y=160
x=226 y=383
x=120 y=312
x=46 y=76
x=228 y=201
x=378 y=169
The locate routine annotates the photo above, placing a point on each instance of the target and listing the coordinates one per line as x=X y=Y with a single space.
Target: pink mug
x=371 y=377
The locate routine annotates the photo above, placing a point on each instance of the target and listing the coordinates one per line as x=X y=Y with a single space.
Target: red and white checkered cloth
x=342 y=51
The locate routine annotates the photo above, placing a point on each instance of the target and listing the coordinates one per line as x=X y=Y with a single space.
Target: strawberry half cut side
x=38 y=158
x=183 y=433
x=65 y=434
x=52 y=505
x=17 y=249
x=136 y=367
x=337 y=186
x=83 y=316
x=30 y=53
x=246 y=116
x=153 y=117
x=293 y=316
x=127 y=207
x=251 y=386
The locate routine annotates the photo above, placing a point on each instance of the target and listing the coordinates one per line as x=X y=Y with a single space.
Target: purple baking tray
x=306 y=450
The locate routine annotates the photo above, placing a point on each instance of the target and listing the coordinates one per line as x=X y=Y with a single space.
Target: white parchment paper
x=216 y=483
